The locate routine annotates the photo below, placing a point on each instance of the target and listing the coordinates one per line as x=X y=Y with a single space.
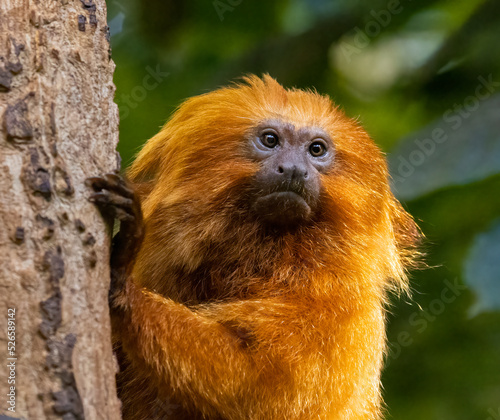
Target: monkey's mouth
x=282 y=208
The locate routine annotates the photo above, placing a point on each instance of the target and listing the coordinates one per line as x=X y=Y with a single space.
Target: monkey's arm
x=222 y=357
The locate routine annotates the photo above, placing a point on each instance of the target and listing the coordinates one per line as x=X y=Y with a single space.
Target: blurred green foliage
x=405 y=69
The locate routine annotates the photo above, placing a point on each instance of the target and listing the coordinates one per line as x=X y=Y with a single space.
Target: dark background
x=424 y=79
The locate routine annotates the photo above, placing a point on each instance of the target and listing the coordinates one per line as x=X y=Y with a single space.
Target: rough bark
x=58 y=126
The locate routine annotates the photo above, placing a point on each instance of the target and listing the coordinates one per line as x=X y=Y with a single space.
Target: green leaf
x=482 y=270
x=463 y=146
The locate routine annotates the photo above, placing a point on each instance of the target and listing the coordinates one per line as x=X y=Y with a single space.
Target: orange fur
x=228 y=320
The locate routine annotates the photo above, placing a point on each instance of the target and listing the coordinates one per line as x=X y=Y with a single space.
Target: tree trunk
x=58 y=126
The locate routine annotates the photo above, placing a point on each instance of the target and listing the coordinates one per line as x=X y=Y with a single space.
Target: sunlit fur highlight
x=231 y=319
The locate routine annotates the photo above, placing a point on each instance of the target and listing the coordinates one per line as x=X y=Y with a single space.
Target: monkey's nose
x=292 y=172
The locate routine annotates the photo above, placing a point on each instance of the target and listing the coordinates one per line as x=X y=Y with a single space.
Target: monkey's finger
x=109 y=198
x=119 y=184
x=123 y=216
x=113 y=178
x=102 y=200
x=111 y=182
x=96 y=182
x=99 y=183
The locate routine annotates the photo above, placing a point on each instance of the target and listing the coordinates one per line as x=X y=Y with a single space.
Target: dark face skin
x=288 y=184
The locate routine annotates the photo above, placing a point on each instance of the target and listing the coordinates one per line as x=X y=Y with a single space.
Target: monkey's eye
x=317 y=149
x=269 y=140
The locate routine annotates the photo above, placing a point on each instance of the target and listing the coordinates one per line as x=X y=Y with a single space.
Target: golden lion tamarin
x=259 y=239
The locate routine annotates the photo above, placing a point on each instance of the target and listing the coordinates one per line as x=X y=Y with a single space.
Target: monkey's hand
x=116 y=199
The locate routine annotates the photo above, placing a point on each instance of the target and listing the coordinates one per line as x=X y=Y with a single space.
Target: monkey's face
x=291 y=160
x=258 y=154
x=254 y=155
